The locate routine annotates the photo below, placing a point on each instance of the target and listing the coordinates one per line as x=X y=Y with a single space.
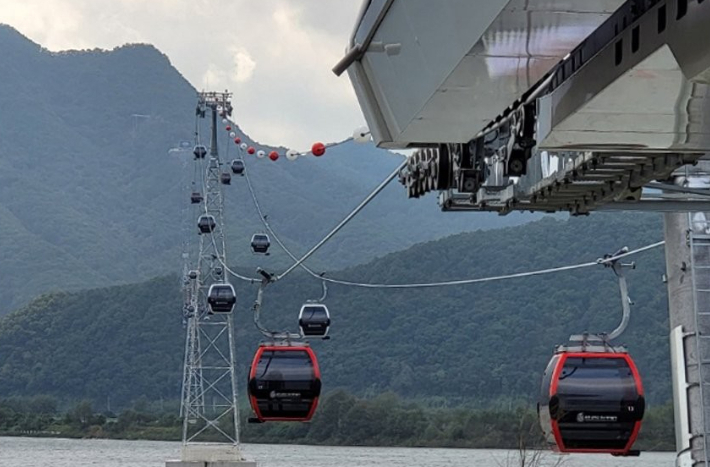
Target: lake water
x=37 y=452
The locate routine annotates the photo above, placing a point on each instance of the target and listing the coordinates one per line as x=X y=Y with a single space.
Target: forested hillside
x=475 y=344
x=90 y=195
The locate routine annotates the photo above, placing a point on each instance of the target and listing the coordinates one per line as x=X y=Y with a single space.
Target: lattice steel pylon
x=191 y=379
x=209 y=407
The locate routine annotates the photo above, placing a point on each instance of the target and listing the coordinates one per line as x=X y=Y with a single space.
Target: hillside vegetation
x=341 y=420
x=90 y=195
x=478 y=345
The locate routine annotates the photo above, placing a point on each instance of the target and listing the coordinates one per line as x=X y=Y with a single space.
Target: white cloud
x=212 y=76
x=275 y=55
x=244 y=65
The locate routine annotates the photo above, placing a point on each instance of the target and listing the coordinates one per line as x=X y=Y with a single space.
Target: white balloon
x=261 y=154
x=361 y=135
x=292 y=154
x=225 y=121
x=233 y=134
x=243 y=146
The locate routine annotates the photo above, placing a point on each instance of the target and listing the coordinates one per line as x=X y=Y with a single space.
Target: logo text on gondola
x=284 y=395
x=582 y=418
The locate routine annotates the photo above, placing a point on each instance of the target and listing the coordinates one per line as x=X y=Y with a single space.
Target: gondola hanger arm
x=614 y=262
x=273 y=335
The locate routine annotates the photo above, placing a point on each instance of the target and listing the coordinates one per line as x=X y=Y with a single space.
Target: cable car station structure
x=560 y=106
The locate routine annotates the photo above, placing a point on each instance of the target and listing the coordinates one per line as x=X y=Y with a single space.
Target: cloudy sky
x=275 y=55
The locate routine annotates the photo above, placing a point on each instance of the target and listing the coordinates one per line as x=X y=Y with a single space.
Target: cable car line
x=344 y=222
x=538 y=272
x=262 y=217
x=222 y=263
x=322 y=277
x=251 y=280
x=300 y=262
x=378 y=189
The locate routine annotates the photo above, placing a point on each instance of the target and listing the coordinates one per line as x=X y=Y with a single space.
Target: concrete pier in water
x=211 y=455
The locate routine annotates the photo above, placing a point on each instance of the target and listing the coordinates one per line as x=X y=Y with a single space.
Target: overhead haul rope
x=539 y=272
x=300 y=262
x=344 y=222
x=214 y=243
x=322 y=277
x=207 y=213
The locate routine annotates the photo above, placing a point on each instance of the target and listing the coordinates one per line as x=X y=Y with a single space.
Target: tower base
x=211 y=455
x=210 y=464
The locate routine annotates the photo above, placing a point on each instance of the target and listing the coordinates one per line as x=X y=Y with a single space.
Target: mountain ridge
x=87 y=182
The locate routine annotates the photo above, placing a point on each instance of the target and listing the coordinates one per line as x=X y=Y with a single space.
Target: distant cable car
x=314 y=320
x=225 y=178
x=206 y=223
x=591 y=398
x=196 y=197
x=221 y=298
x=193 y=274
x=260 y=243
x=238 y=167
x=199 y=152
x=284 y=383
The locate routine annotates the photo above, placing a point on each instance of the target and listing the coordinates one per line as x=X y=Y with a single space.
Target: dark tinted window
x=608 y=378
x=224 y=292
x=291 y=365
x=315 y=313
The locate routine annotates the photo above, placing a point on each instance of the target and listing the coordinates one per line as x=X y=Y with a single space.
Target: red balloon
x=229 y=128
x=237 y=140
x=251 y=150
x=318 y=149
x=274 y=156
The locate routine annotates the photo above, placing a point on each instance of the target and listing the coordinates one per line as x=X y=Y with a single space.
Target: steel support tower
x=209 y=407
x=191 y=380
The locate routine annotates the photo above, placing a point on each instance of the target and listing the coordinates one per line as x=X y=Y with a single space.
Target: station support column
x=687 y=249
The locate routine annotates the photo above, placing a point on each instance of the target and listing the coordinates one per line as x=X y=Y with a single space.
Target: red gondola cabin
x=591 y=398
x=284 y=383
